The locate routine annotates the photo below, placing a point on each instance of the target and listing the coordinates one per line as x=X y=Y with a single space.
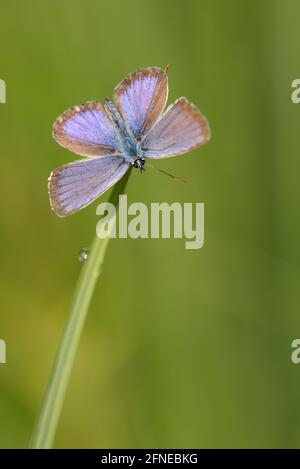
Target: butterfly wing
x=73 y=186
x=181 y=129
x=86 y=130
x=141 y=98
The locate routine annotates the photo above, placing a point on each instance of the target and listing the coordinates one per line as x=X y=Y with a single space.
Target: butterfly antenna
x=175 y=178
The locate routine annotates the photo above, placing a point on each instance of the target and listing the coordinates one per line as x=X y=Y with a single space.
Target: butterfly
x=114 y=136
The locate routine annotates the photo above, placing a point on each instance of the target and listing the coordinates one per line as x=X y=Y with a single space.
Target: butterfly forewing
x=86 y=130
x=181 y=129
x=75 y=185
x=141 y=98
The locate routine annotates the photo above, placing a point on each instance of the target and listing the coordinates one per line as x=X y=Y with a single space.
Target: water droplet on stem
x=84 y=253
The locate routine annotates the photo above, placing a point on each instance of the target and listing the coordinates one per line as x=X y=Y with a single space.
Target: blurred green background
x=181 y=348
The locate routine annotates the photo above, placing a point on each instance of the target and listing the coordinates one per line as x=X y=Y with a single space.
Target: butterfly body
x=121 y=133
x=128 y=145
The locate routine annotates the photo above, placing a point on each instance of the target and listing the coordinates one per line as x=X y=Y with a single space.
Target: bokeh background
x=181 y=348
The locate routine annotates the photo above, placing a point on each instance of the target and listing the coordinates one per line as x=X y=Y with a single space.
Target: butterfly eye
x=139 y=163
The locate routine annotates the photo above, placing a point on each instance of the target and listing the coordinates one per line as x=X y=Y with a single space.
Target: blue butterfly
x=115 y=135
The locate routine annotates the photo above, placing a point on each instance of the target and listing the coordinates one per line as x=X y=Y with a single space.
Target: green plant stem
x=47 y=422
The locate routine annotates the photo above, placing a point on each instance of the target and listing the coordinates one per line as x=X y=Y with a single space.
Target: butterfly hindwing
x=181 y=129
x=75 y=185
x=141 y=98
x=86 y=130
